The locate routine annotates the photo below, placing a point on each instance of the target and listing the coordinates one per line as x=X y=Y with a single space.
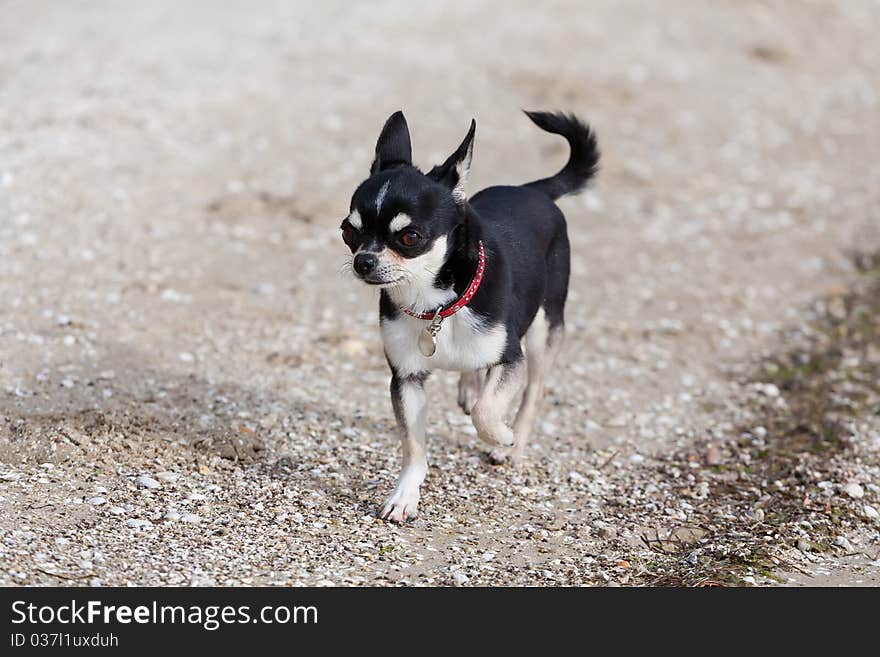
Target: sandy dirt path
x=171 y=183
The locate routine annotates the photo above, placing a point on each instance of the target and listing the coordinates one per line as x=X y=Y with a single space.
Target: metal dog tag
x=428 y=337
x=427 y=343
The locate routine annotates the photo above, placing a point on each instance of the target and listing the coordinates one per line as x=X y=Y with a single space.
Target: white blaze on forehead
x=380 y=197
x=355 y=220
x=399 y=222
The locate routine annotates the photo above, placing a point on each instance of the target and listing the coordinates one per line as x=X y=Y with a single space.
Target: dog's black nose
x=364 y=263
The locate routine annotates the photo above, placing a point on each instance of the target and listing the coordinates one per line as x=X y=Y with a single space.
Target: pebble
x=843 y=542
x=116 y=510
x=854 y=490
x=870 y=512
x=713 y=455
x=138 y=524
x=605 y=530
x=98 y=501
x=803 y=545
x=769 y=389
x=168 y=476
x=756 y=514
x=459 y=578
x=172 y=515
x=190 y=517
x=576 y=477
x=146 y=482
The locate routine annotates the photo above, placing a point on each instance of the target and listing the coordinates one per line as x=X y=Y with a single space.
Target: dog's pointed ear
x=394 y=147
x=454 y=171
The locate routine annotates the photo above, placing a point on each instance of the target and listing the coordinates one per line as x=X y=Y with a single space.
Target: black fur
x=522 y=229
x=583 y=163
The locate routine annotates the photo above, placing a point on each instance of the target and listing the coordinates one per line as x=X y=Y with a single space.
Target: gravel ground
x=191 y=392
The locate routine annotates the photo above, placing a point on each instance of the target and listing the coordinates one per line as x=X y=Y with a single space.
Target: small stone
x=172 y=515
x=854 y=490
x=168 y=476
x=804 y=545
x=713 y=455
x=605 y=530
x=190 y=517
x=138 y=524
x=186 y=357
x=116 y=510
x=146 y=482
x=576 y=477
x=488 y=556
x=870 y=512
x=843 y=542
x=770 y=389
x=98 y=501
x=460 y=578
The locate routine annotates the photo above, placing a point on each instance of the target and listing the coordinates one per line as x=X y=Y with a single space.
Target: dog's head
x=403 y=224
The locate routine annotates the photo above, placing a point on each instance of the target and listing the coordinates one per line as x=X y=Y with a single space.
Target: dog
x=472 y=285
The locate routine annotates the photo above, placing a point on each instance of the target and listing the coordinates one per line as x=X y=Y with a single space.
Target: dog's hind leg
x=542 y=344
x=503 y=383
x=469 y=386
x=410 y=409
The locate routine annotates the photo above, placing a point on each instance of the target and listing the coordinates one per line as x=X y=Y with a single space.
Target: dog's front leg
x=410 y=409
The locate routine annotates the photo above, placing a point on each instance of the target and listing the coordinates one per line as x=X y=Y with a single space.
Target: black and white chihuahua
x=466 y=285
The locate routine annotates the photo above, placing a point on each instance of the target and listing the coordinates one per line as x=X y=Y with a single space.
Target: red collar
x=463 y=300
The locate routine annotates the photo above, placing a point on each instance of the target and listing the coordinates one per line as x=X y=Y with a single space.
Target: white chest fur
x=464 y=343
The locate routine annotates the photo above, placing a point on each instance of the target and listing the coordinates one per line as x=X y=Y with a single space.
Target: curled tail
x=583 y=163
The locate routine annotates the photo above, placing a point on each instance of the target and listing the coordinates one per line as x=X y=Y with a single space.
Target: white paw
x=497 y=435
x=402 y=505
x=505 y=456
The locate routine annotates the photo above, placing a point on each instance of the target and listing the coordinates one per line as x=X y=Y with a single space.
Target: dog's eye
x=409 y=238
x=349 y=234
